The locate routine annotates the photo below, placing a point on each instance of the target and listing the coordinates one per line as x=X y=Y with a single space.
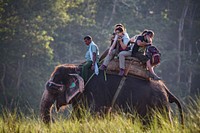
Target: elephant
x=136 y=93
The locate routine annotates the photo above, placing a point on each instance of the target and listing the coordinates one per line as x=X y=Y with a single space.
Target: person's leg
x=107 y=59
x=150 y=68
x=145 y=59
x=85 y=69
x=122 y=56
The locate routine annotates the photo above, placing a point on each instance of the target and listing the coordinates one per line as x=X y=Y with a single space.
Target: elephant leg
x=166 y=113
x=45 y=106
x=169 y=115
x=81 y=105
x=77 y=110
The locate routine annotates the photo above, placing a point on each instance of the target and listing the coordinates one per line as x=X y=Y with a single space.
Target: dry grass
x=117 y=123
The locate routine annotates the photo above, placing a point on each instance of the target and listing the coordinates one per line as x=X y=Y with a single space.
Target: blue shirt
x=94 y=49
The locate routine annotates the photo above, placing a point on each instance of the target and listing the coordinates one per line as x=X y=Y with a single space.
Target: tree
x=38 y=35
x=27 y=29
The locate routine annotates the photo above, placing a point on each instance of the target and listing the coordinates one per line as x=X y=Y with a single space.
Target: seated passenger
x=142 y=42
x=119 y=44
x=104 y=54
x=114 y=33
x=126 y=53
x=134 y=38
x=92 y=57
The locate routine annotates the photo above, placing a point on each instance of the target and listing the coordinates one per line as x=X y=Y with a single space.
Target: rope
x=118 y=91
x=105 y=76
x=92 y=75
x=120 y=87
x=89 y=79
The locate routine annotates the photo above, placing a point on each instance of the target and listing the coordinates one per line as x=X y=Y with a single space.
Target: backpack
x=154 y=54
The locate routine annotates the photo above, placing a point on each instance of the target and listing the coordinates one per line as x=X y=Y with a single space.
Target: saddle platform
x=132 y=65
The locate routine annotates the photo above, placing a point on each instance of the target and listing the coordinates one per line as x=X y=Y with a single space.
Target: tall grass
x=114 y=123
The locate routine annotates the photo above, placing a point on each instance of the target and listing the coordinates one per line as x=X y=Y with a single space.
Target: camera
x=119 y=37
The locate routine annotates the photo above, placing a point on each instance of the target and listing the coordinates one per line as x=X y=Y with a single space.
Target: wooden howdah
x=132 y=65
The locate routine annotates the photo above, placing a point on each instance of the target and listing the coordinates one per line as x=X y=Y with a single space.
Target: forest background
x=36 y=36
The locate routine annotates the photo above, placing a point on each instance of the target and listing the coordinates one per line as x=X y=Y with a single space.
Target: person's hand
x=132 y=39
x=92 y=67
x=149 y=40
x=119 y=38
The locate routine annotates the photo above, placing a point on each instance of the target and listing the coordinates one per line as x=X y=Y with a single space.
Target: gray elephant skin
x=136 y=96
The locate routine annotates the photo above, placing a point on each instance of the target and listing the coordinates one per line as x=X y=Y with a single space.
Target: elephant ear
x=75 y=86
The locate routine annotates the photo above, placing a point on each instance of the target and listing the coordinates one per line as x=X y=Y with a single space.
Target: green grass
x=115 y=123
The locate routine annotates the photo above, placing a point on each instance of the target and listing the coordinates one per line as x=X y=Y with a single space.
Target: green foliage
x=27 y=59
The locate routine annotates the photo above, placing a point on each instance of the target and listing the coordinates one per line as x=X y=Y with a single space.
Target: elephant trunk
x=45 y=106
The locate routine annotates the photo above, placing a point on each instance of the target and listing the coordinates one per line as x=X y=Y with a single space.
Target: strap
x=120 y=87
x=118 y=91
x=105 y=77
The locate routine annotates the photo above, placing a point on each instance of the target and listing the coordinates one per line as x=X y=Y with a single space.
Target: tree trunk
x=190 y=48
x=180 y=39
x=19 y=74
x=3 y=88
x=113 y=12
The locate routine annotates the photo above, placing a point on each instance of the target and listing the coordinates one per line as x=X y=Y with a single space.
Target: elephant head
x=63 y=85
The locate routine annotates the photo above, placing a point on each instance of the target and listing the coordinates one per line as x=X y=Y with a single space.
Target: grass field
x=116 y=123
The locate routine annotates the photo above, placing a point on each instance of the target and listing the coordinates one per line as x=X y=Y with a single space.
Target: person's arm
x=133 y=39
x=140 y=43
x=94 y=56
x=113 y=45
x=124 y=43
x=93 y=60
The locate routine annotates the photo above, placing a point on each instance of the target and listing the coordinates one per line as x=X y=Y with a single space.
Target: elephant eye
x=56 y=78
x=59 y=78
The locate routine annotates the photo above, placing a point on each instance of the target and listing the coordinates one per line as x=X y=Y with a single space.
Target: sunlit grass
x=114 y=123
